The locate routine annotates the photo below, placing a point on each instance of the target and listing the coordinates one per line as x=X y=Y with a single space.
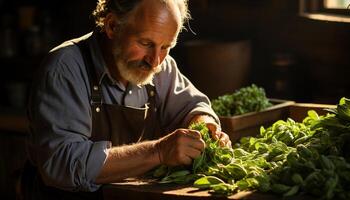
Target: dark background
x=292 y=57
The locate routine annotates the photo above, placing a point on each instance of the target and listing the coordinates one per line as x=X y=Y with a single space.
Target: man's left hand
x=214 y=128
x=217 y=134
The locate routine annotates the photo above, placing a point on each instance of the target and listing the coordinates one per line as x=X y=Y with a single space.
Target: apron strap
x=151 y=125
x=151 y=92
x=96 y=93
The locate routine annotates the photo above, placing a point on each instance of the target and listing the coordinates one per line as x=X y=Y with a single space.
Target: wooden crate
x=299 y=111
x=249 y=124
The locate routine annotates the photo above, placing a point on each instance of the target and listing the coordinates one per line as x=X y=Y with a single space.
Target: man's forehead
x=150 y=12
x=150 y=20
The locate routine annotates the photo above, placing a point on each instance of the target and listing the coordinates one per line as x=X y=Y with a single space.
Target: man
x=113 y=104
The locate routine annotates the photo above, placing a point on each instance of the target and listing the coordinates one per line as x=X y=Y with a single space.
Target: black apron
x=116 y=123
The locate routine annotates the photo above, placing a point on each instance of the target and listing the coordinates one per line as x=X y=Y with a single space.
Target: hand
x=180 y=147
x=214 y=128
x=217 y=134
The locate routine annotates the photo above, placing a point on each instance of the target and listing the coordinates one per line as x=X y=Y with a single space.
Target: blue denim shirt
x=60 y=114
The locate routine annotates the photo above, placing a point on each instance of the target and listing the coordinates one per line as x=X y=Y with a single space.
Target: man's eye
x=146 y=44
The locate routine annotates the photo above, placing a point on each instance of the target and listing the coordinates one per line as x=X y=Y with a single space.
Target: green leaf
x=207 y=181
x=160 y=171
x=313 y=114
x=280 y=188
x=236 y=171
x=297 y=179
x=292 y=191
x=223 y=188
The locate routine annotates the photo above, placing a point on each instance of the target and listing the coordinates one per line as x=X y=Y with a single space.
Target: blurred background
x=295 y=49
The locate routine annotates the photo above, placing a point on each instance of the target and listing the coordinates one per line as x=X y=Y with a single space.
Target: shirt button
x=98 y=109
x=151 y=93
x=95 y=88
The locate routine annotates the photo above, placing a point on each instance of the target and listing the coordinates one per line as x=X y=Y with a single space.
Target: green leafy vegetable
x=287 y=158
x=247 y=99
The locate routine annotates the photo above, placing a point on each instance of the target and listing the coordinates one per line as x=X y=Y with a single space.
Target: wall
x=293 y=57
x=314 y=53
x=28 y=29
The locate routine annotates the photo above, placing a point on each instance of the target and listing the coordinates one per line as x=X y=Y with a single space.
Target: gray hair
x=123 y=7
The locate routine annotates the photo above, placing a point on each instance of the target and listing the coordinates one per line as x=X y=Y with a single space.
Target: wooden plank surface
x=144 y=189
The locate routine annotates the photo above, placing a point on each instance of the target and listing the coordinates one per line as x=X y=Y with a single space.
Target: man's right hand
x=180 y=147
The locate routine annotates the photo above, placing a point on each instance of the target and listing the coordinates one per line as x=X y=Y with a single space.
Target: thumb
x=214 y=129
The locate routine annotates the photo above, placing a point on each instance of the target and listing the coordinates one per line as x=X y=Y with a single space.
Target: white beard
x=132 y=73
x=134 y=76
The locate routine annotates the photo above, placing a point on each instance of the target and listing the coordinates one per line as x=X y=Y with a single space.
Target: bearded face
x=137 y=72
x=142 y=41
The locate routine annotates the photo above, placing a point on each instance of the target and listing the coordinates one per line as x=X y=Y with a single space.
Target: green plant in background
x=287 y=158
x=244 y=100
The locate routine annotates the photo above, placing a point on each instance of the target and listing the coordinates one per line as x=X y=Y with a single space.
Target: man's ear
x=110 y=25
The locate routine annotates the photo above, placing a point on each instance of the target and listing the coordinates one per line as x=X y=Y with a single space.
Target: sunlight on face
x=137 y=72
x=142 y=44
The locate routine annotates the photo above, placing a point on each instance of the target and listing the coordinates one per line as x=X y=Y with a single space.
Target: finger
x=191 y=149
x=182 y=131
x=222 y=143
x=214 y=129
x=211 y=126
x=229 y=144
x=197 y=144
x=193 y=153
x=194 y=134
x=185 y=160
x=215 y=135
x=192 y=141
x=224 y=139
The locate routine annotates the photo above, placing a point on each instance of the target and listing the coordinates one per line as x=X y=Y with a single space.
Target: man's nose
x=153 y=57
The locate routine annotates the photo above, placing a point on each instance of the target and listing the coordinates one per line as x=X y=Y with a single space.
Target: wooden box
x=249 y=124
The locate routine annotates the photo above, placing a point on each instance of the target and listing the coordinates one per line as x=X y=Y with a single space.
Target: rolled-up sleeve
x=181 y=100
x=60 y=124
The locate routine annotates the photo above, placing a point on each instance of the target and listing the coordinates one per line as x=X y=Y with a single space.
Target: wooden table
x=150 y=190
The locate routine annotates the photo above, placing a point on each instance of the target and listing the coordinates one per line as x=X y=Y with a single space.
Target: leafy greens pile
x=287 y=158
x=244 y=100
